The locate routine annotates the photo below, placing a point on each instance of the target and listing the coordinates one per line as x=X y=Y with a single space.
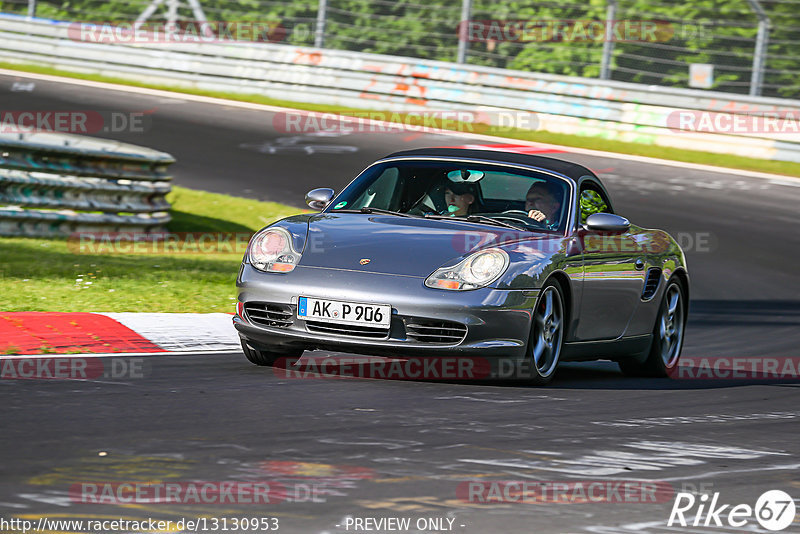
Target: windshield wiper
x=478 y=219
x=369 y=209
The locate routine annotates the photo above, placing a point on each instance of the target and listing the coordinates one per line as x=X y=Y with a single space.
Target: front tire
x=267 y=358
x=547 y=334
x=665 y=349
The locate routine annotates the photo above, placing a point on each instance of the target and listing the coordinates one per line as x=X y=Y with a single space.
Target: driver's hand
x=537 y=215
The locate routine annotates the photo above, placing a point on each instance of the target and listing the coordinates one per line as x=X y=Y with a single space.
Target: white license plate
x=334 y=311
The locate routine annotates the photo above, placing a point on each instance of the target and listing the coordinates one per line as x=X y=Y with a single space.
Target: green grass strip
x=57 y=275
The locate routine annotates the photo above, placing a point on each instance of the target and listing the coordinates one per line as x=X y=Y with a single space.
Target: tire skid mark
x=659 y=455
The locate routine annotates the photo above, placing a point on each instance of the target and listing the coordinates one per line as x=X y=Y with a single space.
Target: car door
x=613 y=274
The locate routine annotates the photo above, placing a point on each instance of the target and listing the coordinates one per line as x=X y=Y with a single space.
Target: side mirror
x=318 y=199
x=606 y=222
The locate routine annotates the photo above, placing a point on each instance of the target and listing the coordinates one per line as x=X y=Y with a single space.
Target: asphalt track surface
x=395 y=448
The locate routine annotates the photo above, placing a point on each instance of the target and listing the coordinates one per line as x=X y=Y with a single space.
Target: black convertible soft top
x=567 y=168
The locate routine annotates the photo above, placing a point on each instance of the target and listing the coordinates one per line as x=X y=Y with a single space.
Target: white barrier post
x=608 y=41
x=463 y=34
x=319 y=34
x=760 y=52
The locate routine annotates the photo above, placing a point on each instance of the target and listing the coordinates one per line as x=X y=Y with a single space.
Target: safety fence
x=766 y=128
x=57 y=184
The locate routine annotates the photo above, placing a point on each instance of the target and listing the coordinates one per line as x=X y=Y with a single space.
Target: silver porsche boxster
x=460 y=253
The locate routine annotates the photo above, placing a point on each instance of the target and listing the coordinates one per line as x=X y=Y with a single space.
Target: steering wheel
x=517 y=212
x=520 y=216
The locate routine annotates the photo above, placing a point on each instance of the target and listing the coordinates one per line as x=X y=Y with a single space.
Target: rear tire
x=267 y=358
x=547 y=334
x=665 y=349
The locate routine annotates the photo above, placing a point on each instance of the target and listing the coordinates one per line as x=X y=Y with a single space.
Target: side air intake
x=651 y=283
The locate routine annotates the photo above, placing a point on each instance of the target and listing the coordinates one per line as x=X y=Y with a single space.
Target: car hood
x=397 y=245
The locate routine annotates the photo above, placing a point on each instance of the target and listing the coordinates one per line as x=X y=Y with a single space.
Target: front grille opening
x=351 y=330
x=651 y=283
x=266 y=314
x=434 y=331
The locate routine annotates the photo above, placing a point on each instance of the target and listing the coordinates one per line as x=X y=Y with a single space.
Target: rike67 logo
x=774 y=510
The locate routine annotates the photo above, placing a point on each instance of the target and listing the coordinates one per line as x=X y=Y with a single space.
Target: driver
x=543 y=202
x=460 y=199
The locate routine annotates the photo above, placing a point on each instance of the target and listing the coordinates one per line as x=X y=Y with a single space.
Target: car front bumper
x=496 y=322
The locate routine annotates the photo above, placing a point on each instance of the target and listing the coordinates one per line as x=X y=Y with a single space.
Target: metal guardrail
x=57 y=184
x=609 y=110
x=751 y=44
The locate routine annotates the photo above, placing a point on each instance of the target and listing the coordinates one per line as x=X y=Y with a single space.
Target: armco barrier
x=610 y=110
x=56 y=184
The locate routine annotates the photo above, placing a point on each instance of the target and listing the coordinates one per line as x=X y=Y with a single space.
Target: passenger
x=460 y=199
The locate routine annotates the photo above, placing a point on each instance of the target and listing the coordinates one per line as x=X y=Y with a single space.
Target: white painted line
x=780 y=179
x=143 y=91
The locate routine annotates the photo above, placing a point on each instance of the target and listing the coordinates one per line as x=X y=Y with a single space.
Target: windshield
x=526 y=198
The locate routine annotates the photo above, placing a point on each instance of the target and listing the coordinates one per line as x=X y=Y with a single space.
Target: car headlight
x=475 y=271
x=271 y=250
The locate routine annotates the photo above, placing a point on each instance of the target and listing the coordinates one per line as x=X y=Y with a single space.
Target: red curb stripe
x=519 y=149
x=61 y=333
